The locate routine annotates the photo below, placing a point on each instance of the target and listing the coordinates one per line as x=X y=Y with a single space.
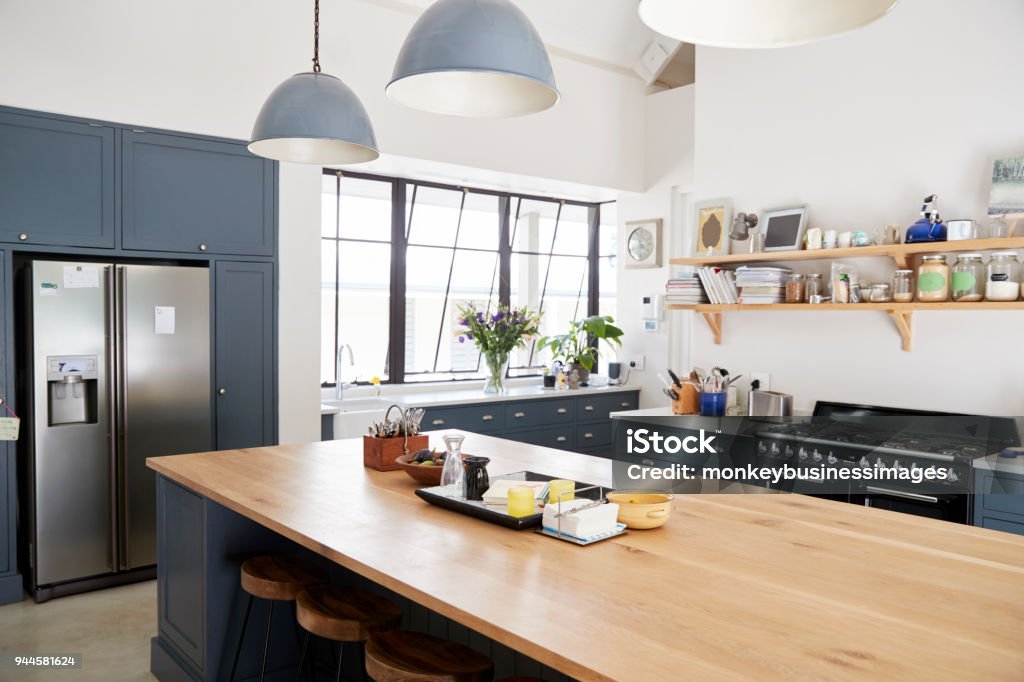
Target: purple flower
x=469 y=336
x=462 y=339
x=497 y=316
x=480 y=318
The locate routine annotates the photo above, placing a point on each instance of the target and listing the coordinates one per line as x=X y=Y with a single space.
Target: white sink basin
x=356 y=414
x=362 y=404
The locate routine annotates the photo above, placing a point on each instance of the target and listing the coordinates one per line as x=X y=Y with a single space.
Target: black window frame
x=400 y=187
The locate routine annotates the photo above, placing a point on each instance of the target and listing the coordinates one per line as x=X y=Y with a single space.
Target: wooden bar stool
x=274 y=578
x=344 y=615
x=403 y=656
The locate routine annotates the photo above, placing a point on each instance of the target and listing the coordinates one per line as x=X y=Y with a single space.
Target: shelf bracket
x=904 y=261
x=905 y=325
x=714 y=321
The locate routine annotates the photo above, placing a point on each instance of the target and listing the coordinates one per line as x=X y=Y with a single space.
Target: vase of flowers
x=497 y=335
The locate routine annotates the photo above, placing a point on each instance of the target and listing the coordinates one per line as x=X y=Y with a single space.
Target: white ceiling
x=606 y=30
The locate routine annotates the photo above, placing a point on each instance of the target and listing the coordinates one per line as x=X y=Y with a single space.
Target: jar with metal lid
x=813 y=286
x=880 y=292
x=903 y=286
x=795 y=289
x=1003 y=280
x=933 y=280
x=968 y=280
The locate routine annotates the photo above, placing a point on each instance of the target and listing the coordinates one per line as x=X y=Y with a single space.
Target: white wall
x=860 y=128
x=668 y=168
x=206 y=67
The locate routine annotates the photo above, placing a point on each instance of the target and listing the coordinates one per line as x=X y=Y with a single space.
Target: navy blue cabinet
x=244 y=354
x=999 y=500
x=57 y=184
x=192 y=195
x=575 y=421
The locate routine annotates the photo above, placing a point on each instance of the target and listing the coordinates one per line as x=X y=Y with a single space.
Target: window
x=399 y=257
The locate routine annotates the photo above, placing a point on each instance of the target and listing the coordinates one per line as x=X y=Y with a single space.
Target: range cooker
x=840 y=435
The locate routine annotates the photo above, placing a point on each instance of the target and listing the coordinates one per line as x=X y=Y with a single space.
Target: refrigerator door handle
x=121 y=297
x=111 y=361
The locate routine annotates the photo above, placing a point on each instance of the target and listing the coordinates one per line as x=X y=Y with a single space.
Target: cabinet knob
x=588 y=408
x=202 y=247
x=437 y=422
x=487 y=417
x=588 y=435
x=562 y=439
x=562 y=410
x=22 y=236
x=519 y=415
x=222 y=391
x=625 y=403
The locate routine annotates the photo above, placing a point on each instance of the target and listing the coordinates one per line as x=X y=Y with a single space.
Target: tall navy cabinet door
x=244 y=351
x=190 y=195
x=56 y=182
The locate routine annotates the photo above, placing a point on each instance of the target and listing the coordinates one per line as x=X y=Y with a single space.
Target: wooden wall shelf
x=900 y=313
x=900 y=253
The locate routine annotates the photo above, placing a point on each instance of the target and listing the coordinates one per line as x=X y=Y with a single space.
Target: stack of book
x=761 y=285
x=685 y=290
x=719 y=284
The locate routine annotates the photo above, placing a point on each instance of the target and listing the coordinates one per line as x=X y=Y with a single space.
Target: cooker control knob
x=817 y=456
x=864 y=463
x=896 y=465
x=789 y=452
x=879 y=464
x=832 y=459
x=953 y=476
x=762 y=448
x=802 y=454
x=775 y=450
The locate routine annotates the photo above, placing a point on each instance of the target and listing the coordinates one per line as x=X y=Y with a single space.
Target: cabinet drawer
x=531 y=413
x=560 y=437
x=598 y=407
x=58 y=182
x=1005 y=526
x=477 y=418
x=1001 y=492
x=594 y=435
x=195 y=196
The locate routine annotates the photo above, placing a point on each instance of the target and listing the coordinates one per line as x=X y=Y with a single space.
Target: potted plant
x=497 y=335
x=578 y=348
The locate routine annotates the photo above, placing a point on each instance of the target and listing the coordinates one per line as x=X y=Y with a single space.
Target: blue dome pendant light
x=314 y=118
x=476 y=58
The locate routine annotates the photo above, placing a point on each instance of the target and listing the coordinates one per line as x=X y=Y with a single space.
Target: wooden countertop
x=734 y=587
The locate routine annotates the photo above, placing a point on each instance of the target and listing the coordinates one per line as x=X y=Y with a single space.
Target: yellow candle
x=520 y=501
x=561 y=491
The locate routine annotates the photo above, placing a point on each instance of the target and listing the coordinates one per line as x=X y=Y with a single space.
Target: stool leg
x=302 y=657
x=341 y=650
x=362 y=662
x=241 y=636
x=266 y=641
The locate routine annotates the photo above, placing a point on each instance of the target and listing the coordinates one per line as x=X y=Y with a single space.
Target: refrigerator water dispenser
x=71 y=389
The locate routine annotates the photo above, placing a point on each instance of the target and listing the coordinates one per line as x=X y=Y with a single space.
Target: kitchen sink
x=356 y=414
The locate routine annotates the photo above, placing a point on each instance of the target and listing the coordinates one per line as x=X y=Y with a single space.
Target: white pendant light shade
x=759 y=23
x=314 y=118
x=478 y=58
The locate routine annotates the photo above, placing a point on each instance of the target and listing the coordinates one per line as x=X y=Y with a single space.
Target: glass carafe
x=452 y=475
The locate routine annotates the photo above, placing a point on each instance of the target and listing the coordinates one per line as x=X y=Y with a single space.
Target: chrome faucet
x=340 y=385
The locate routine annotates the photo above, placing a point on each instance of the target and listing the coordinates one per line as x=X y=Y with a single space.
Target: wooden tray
x=498 y=515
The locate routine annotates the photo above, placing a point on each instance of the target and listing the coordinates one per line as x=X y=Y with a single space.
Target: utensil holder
x=380 y=454
x=713 y=404
x=688 y=402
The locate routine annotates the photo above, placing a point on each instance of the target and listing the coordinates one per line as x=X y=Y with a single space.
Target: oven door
x=951 y=507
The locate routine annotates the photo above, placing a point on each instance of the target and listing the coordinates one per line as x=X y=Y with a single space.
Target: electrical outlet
x=634 y=362
x=764 y=377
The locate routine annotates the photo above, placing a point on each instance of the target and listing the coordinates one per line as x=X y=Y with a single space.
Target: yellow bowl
x=642 y=510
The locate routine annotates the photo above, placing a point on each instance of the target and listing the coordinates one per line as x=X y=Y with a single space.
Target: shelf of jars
x=900 y=313
x=902 y=254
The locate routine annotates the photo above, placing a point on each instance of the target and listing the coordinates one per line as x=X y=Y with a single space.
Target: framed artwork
x=784 y=228
x=713 y=220
x=641 y=244
x=1006 y=196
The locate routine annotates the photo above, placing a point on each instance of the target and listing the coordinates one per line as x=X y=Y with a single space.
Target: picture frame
x=712 y=220
x=784 y=228
x=640 y=244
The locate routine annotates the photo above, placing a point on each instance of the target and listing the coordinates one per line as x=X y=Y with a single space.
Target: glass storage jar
x=795 y=289
x=933 y=280
x=1003 y=281
x=968 y=280
x=813 y=286
x=880 y=292
x=903 y=286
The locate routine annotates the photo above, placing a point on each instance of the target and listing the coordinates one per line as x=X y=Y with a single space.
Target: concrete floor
x=110 y=628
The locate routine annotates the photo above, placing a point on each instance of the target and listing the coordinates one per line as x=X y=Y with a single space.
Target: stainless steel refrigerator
x=118 y=371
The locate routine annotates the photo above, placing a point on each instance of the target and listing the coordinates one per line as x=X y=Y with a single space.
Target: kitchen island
x=734 y=587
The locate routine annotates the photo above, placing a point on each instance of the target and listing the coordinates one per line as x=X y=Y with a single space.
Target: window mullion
x=337 y=272
x=396 y=322
x=448 y=286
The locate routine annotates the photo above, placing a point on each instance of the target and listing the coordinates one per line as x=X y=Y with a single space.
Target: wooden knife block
x=689 y=400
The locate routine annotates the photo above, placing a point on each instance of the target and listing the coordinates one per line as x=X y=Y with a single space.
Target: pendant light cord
x=316 y=36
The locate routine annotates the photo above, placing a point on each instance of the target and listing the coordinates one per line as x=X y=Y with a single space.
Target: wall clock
x=641 y=244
